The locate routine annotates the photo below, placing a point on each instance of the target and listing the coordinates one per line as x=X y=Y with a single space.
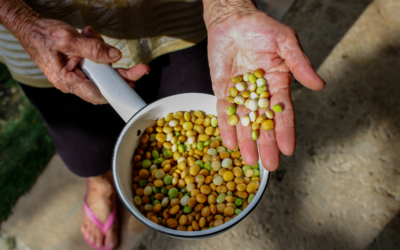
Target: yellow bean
x=233 y=120
x=268 y=125
x=233 y=92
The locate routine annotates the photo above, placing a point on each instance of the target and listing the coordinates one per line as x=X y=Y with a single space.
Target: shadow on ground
x=339 y=189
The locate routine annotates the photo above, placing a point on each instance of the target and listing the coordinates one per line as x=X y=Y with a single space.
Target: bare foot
x=101 y=199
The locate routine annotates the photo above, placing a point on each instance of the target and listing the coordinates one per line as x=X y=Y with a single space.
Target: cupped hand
x=242 y=43
x=57 y=47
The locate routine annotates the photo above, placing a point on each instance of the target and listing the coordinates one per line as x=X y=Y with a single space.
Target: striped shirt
x=141 y=29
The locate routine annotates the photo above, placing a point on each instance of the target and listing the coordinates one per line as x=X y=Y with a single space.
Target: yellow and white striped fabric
x=141 y=29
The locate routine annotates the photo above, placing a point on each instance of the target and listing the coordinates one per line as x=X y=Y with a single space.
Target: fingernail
x=91 y=30
x=110 y=244
x=113 y=53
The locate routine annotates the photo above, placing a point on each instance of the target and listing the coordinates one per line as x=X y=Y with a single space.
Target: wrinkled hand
x=245 y=42
x=57 y=47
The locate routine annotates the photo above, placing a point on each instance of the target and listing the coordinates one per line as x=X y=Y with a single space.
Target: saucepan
x=138 y=116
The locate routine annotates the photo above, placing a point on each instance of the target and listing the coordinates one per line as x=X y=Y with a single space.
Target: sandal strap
x=92 y=217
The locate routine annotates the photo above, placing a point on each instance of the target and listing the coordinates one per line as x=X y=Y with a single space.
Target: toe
x=99 y=239
x=111 y=238
x=83 y=230
x=90 y=237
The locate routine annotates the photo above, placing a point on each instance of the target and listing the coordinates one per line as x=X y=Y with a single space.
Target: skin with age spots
x=240 y=42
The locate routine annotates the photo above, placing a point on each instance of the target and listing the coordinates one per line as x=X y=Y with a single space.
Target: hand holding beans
x=260 y=53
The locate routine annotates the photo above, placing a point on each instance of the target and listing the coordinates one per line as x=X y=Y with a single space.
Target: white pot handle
x=111 y=85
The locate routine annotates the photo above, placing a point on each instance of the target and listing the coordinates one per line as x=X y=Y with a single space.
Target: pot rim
x=173 y=232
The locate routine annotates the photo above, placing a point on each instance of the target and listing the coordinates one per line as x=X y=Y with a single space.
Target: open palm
x=243 y=43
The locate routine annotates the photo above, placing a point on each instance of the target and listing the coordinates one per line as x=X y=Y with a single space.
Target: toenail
x=98 y=245
x=110 y=244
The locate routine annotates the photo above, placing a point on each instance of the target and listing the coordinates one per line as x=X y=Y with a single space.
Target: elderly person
x=42 y=41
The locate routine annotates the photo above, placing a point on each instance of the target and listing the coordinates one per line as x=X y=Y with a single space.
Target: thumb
x=299 y=64
x=95 y=50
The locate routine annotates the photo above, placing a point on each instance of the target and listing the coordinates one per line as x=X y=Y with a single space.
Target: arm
x=57 y=47
x=241 y=39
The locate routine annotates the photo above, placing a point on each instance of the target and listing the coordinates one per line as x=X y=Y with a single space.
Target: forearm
x=216 y=11
x=15 y=15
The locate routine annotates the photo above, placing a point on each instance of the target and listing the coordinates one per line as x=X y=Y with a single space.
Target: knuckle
x=97 y=49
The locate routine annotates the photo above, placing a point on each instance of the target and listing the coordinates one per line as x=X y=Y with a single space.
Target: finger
x=277 y=81
x=134 y=73
x=228 y=132
x=248 y=146
x=299 y=64
x=268 y=149
x=91 y=48
x=72 y=77
x=131 y=84
x=284 y=122
x=89 y=32
x=82 y=87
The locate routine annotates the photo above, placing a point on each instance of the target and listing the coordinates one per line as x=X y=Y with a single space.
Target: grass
x=25 y=146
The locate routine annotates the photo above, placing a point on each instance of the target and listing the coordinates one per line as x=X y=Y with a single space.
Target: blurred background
x=339 y=190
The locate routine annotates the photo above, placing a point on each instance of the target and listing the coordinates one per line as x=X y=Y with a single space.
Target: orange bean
x=195 y=225
x=174 y=209
x=201 y=198
x=183 y=220
x=218 y=222
x=172 y=223
x=229 y=211
x=181 y=228
x=154 y=219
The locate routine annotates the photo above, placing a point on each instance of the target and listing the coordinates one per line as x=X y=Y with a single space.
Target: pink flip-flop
x=103 y=227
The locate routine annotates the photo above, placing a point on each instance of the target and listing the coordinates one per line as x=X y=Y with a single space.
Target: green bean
x=152 y=137
x=254 y=134
x=181 y=148
x=256 y=166
x=250 y=198
x=146 y=163
x=261 y=89
x=200 y=145
x=278 y=108
x=199 y=163
x=156 y=190
x=238 y=202
x=167 y=180
x=155 y=154
x=187 y=209
x=173 y=193
x=164 y=189
x=245 y=167
x=231 y=110
x=142 y=182
x=167 y=153
x=207 y=166
x=221 y=198
x=214 y=122
x=238 y=211
x=256 y=173
x=252 y=78
x=158 y=161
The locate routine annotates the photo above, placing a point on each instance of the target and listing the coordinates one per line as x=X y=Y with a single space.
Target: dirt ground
x=341 y=188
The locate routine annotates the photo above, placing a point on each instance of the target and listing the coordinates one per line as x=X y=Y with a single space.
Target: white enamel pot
x=138 y=116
